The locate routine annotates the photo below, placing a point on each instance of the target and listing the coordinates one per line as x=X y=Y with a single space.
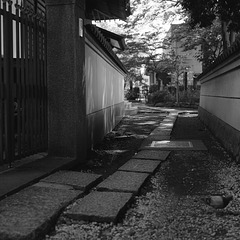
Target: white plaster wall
x=104 y=93
x=220 y=92
x=104 y=81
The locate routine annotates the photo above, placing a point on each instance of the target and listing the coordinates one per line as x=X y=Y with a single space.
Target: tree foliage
x=144 y=31
x=207 y=42
x=205 y=12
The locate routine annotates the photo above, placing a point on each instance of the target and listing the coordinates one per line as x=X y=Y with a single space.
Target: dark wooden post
x=66 y=82
x=185 y=80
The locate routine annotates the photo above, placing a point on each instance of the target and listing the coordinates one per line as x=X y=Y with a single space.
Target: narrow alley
x=170 y=204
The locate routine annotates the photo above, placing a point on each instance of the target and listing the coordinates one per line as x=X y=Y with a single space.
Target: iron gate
x=23 y=87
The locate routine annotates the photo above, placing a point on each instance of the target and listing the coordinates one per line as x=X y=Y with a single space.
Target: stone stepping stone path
x=123 y=182
x=99 y=206
x=147 y=141
x=140 y=165
x=78 y=180
x=152 y=155
x=191 y=145
x=161 y=132
x=29 y=213
x=114 y=193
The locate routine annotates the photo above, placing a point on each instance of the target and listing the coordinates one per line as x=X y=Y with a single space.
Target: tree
x=205 y=12
x=177 y=66
x=143 y=31
x=170 y=63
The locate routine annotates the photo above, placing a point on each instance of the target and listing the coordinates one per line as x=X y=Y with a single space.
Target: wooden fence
x=23 y=87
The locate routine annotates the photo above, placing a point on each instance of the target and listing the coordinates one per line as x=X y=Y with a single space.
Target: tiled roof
x=105 y=45
x=230 y=52
x=118 y=40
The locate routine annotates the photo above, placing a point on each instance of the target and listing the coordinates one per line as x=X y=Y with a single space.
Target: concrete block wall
x=219 y=105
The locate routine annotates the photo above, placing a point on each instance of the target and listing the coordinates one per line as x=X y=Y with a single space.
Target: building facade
x=190 y=67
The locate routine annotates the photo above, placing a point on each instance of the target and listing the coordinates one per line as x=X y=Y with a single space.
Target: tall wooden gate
x=23 y=87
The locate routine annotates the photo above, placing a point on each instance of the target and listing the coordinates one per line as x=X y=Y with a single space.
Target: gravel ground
x=169 y=206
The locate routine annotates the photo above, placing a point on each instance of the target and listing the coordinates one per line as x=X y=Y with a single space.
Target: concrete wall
x=104 y=92
x=220 y=100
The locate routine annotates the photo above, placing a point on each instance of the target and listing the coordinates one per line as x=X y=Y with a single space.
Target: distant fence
x=23 y=87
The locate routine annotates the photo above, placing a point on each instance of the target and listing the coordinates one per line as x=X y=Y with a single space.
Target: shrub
x=132 y=94
x=170 y=98
x=160 y=96
x=189 y=96
x=153 y=88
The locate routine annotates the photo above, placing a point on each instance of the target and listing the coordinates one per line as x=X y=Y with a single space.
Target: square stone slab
x=166 y=125
x=177 y=145
x=171 y=144
x=161 y=132
x=169 y=120
x=123 y=182
x=29 y=213
x=152 y=155
x=140 y=165
x=78 y=180
x=148 y=141
x=99 y=206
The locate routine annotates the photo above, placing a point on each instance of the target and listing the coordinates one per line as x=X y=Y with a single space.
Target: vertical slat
x=18 y=81
x=27 y=99
x=5 y=76
x=11 y=89
x=8 y=81
x=45 y=84
x=30 y=82
x=1 y=92
x=38 y=105
x=34 y=79
x=23 y=80
x=41 y=83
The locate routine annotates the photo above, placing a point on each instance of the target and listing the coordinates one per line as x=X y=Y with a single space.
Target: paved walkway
x=30 y=213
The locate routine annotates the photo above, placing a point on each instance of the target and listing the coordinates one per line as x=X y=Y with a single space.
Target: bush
x=160 y=97
x=190 y=96
x=132 y=94
x=170 y=98
x=153 y=88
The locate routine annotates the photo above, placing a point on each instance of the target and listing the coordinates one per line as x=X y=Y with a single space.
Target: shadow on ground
x=122 y=143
